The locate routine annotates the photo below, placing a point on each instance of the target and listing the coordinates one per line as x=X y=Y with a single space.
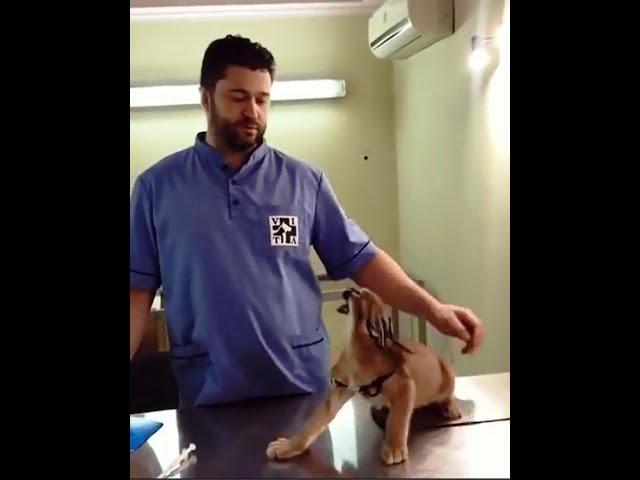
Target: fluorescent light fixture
x=285 y=90
x=164 y=96
x=307 y=89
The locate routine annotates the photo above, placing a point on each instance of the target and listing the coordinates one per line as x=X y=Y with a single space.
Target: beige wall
x=333 y=135
x=452 y=144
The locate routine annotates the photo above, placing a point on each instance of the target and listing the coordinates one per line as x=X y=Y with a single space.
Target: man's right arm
x=144 y=268
x=139 y=306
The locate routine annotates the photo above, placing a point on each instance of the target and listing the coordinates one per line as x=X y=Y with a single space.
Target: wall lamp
x=481 y=48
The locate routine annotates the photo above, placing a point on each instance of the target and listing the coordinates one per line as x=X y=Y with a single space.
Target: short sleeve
x=342 y=246
x=144 y=271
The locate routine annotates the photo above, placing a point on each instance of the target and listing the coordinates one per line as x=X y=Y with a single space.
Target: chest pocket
x=285 y=229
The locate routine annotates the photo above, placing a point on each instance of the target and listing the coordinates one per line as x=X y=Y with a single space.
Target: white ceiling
x=175 y=9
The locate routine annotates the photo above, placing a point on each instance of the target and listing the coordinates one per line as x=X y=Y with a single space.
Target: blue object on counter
x=140 y=430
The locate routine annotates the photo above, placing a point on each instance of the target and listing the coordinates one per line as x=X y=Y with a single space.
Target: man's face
x=239 y=108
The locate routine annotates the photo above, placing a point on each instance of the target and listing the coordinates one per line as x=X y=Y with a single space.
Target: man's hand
x=139 y=305
x=385 y=277
x=461 y=323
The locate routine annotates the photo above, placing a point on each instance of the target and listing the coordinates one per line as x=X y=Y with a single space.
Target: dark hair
x=233 y=50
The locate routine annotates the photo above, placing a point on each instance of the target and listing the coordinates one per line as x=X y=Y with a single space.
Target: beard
x=232 y=134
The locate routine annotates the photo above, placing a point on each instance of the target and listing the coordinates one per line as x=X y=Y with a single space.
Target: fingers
x=474 y=327
x=461 y=323
x=458 y=329
x=478 y=337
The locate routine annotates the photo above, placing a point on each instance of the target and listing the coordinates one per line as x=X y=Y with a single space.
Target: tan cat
x=399 y=376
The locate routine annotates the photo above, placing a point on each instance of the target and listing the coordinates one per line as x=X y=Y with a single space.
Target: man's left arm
x=347 y=252
x=383 y=276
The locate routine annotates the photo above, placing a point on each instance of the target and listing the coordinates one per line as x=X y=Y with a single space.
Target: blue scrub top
x=231 y=251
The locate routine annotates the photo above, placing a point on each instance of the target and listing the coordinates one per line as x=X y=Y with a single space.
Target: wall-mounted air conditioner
x=401 y=28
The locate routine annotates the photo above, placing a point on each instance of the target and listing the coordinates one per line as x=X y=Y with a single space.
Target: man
x=226 y=226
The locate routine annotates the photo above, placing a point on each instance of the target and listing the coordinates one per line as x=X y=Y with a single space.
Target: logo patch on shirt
x=284 y=231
